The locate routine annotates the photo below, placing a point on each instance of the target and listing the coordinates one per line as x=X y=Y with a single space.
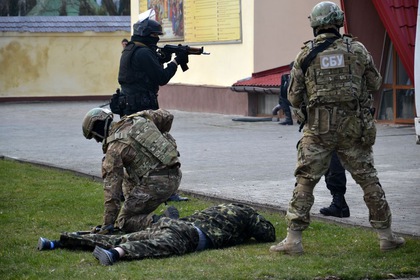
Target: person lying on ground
x=215 y=227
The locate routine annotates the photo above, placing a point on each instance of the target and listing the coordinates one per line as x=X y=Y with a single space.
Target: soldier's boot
x=288 y=120
x=388 y=240
x=46 y=244
x=291 y=245
x=338 y=207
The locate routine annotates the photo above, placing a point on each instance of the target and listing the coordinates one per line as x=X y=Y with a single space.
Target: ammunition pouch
x=319 y=120
x=141 y=100
x=368 y=128
x=118 y=102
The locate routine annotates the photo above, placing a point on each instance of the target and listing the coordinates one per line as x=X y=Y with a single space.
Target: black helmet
x=146 y=27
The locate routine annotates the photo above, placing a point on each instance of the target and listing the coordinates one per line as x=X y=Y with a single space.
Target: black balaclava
x=147 y=40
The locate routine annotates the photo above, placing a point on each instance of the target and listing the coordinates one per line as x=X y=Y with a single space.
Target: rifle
x=108 y=230
x=170 y=49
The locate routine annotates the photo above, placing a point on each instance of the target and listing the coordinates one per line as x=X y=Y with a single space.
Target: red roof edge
x=262 y=81
x=399 y=19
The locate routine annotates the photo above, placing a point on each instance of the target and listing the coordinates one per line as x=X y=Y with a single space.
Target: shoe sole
x=102 y=256
x=344 y=214
x=288 y=252
x=391 y=247
x=40 y=246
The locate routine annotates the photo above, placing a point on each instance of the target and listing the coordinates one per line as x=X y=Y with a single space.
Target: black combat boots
x=338 y=207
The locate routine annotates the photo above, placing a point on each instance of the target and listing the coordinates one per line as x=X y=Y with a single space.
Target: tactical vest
x=126 y=74
x=335 y=74
x=151 y=146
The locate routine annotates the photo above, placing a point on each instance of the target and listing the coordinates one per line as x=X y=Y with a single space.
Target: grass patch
x=37 y=201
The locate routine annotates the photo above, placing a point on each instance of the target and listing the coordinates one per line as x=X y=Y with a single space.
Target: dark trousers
x=285 y=106
x=335 y=178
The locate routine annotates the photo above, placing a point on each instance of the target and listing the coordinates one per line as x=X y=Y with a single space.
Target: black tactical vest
x=127 y=75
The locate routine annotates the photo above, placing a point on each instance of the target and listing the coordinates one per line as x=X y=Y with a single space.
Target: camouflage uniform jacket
x=125 y=154
x=340 y=76
x=232 y=224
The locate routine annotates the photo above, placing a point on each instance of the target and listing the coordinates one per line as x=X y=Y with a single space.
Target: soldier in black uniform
x=336 y=181
x=142 y=69
x=212 y=228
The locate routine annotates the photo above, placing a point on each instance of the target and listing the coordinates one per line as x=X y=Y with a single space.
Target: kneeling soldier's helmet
x=326 y=14
x=92 y=117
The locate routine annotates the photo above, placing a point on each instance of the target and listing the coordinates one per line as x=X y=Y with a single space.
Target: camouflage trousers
x=314 y=156
x=144 y=198
x=165 y=238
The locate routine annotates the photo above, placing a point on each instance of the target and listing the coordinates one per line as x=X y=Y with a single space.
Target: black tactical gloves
x=164 y=57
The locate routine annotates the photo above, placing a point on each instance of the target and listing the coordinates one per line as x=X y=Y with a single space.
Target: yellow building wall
x=66 y=64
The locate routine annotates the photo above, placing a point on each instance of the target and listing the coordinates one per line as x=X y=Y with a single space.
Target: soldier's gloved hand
x=181 y=58
x=300 y=115
x=164 y=57
x=96 y=229
x=106 y=229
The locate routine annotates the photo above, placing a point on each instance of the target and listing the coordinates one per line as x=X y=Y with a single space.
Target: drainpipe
x=417 y=79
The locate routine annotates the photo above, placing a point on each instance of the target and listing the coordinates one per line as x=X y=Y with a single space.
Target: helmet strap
x=99 y=135
x=335 y=30
x=106 y=128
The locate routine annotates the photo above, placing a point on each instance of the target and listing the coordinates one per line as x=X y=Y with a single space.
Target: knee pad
x=303 y=197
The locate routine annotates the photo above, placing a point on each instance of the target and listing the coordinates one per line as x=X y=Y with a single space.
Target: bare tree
x=4 y=8
x=23 y=7
x=63 y=8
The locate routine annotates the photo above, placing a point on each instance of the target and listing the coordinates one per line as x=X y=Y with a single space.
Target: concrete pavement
x=252 y=162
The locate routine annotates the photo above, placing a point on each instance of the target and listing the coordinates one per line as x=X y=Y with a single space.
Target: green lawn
x=37 y=201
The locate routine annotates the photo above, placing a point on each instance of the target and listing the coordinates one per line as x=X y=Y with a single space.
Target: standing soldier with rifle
x=142 y=67
x=142 y=70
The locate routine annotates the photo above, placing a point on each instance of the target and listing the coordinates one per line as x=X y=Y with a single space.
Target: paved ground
x=247 y=161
